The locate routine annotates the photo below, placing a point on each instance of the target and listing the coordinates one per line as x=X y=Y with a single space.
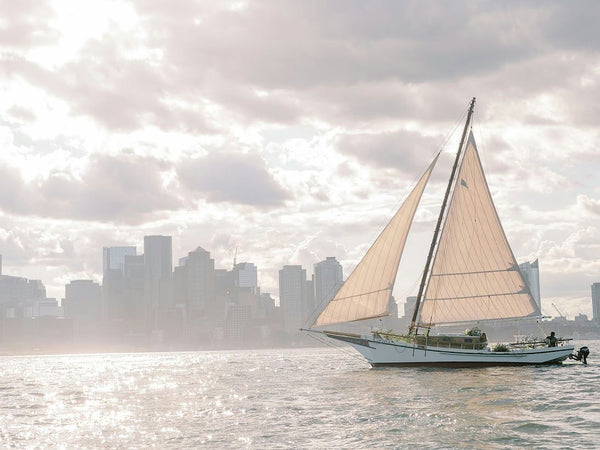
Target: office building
x=18 y=296
x=83 y=300
x=596 y=301
x=245 y=276
x=47 y=307
x=237 y=322
x=292 y=296
x=133 y=285
x=158 y=268
x=113 y=281
x=113 y=258
x=194 y=281
x=531 y=274
x=309 y=308
x=327 y=280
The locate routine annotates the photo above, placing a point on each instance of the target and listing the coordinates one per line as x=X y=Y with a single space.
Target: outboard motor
x=581 y=355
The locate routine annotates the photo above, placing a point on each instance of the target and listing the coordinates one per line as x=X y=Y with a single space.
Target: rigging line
x=500 y=319
x=510 y=269
x=541 y=329
x=317 y=309
x=440 y=147
x=482 y=141
x=340 y=347
x=359 y=295
x=479 y=296
x=456 y=125
x=314 y=315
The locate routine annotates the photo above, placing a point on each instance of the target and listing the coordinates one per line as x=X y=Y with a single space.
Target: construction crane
x=235 y=257
x=558 y=311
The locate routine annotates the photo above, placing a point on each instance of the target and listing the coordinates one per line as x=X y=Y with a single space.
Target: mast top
x=471 y=108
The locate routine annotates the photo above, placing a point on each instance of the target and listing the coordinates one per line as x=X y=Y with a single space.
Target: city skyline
x=146 y=303
x=274 y=128
x=324 y=280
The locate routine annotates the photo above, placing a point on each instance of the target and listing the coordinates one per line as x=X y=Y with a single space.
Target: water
x=315 y=398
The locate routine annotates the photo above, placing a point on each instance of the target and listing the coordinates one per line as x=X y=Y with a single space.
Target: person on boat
x=551 y=340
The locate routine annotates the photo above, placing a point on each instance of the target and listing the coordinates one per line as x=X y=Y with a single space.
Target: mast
x=440 y=219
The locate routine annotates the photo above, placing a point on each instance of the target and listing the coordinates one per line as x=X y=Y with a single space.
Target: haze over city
x=299 y=224
x=291 y=130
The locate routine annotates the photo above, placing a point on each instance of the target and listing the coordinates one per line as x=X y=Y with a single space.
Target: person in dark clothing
x=551 y=340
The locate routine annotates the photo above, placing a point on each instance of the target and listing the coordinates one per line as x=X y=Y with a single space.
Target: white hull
x=379 y=352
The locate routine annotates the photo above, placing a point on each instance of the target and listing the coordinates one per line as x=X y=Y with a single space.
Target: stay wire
x=340 y=347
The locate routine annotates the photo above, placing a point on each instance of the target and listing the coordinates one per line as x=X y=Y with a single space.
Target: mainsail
x=367 y=291
x=474 y=275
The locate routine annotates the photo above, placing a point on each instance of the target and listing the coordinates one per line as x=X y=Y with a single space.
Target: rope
x=340 y=347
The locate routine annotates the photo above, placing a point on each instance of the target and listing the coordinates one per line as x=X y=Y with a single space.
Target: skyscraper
x=195 y=282
x=18 y=296
x=328 y=279
x=596 y=301
x=82 y=299
x=531 y=274
x=245 y=276
x=113 y=258
x=113 y=287
x=83 y=304
x=158 y=268
x=292 y=296
x=133 y=281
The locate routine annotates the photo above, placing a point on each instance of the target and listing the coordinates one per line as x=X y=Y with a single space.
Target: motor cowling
x=581 y=355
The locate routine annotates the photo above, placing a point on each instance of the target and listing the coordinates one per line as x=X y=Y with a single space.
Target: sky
x=292 y=130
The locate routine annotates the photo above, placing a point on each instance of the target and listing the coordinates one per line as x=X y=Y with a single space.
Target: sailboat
x=470 y=277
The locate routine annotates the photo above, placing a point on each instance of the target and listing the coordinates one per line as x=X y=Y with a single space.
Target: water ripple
x=291 y=398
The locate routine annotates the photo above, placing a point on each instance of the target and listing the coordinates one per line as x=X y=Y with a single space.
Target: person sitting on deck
x=551 y=340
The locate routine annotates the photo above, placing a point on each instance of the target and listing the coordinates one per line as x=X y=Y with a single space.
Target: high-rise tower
x=113 y=286
x=292 y=296
x=328 y=279
x=531 y=274
x=158 y=268
x=596 y=301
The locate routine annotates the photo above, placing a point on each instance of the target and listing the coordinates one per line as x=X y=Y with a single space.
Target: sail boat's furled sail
x=366 y=293
x=474 y=275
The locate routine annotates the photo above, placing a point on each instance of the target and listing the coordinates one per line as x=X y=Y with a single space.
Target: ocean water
x=292 y=398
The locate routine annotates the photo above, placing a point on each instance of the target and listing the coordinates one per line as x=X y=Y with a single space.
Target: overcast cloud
x=291 y=129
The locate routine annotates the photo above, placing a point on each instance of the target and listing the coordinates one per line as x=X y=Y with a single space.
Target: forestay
x=367 y=291
x=475 y=275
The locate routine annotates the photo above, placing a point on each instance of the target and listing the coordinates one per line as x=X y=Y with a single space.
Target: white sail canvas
x=366 y=293
x=474 y=275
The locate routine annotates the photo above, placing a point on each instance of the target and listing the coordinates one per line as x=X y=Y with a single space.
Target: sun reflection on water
x=292 y=398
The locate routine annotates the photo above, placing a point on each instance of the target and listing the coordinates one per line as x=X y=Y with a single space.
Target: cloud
x=21 y=114
x=405 y=151
x=189 y=63
x=298 y=45
x=589 y=204
x=115 y=189
x=26 y=23
x=232 y=177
